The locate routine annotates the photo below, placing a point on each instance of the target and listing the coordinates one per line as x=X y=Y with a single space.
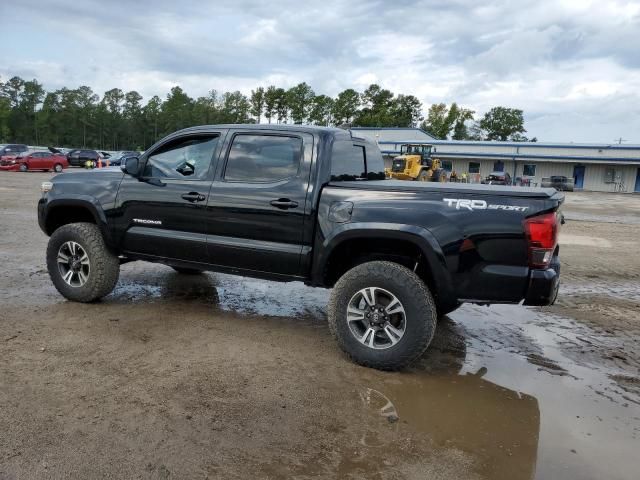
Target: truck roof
x=268 y=126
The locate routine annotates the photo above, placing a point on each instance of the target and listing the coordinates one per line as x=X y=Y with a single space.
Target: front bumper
x=42 y=207
x=543 y=285
x=11 y=168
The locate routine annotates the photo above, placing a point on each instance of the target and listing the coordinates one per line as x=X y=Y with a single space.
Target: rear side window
x=263 y=158
x=354 y=161
x=183 y=158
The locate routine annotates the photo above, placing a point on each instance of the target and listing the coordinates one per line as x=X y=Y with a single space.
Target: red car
x=35 y=161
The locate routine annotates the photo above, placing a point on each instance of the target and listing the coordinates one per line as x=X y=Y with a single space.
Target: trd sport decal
x=472 y=205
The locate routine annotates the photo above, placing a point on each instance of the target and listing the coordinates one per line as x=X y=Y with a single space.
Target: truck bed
x=458 y=188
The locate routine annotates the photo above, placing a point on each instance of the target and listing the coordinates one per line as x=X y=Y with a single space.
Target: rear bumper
x=543 y=285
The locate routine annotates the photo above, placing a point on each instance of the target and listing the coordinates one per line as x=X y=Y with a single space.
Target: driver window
x=184 y=158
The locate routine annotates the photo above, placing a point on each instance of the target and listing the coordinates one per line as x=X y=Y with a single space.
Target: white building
x=596 y=167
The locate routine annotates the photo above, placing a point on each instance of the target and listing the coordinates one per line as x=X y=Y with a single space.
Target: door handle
x=284 y=203
x=193 y=197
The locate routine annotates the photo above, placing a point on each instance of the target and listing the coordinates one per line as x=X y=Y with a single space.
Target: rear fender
x=421 y=237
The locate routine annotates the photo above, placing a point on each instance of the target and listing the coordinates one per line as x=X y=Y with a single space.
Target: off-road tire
x=188 y=271
x=423 y=177
x=23 y=167
x=104 y=265
x=415 y=297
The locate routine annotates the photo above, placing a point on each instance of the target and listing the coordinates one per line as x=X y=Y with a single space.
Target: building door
x=637 y=188
x=578 y=176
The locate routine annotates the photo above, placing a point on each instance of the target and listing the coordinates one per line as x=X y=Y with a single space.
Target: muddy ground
x=222 y=377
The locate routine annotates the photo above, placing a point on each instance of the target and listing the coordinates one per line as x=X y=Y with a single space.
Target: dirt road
x=215 y=376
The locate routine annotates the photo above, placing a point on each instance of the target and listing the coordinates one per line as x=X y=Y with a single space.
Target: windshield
x=415 y=150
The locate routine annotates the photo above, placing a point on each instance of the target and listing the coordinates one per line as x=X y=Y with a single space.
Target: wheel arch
x=411 y=246
x=82 y=208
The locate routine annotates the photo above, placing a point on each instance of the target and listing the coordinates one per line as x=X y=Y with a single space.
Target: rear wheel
x=24 y=167
x=80 y=266
x=382 y=315
x=187 y=271
x=57 y=168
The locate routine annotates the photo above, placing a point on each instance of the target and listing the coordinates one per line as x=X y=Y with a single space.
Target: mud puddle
x=497 y=382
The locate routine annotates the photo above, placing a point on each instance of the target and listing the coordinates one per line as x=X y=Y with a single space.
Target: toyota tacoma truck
x=310 y=204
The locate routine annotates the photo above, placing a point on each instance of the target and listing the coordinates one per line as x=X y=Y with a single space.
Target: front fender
x=47 y=207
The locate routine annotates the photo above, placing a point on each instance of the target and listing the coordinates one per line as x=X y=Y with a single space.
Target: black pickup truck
x=311 y=204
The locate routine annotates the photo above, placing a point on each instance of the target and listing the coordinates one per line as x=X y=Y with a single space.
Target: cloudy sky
x=573 y=66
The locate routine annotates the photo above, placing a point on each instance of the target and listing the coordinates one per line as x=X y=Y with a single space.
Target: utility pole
x=620 y=140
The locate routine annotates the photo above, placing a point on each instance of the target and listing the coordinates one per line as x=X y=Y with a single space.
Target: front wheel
x=382 y=315
x=57 y=168
x=24 y=167
x=79 y=263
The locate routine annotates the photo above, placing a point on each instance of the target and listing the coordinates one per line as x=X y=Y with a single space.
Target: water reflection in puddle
x=497 y=381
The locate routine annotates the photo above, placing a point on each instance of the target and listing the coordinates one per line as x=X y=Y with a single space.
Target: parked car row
x=18 y=157
x=80 y=157
x=35 y=161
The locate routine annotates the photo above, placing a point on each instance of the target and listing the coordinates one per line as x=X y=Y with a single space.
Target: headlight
x=46 y=187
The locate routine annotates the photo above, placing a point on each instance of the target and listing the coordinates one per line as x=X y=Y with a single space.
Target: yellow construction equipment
x=415 y=163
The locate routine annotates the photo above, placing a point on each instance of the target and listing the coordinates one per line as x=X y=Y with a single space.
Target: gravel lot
x=216 y=376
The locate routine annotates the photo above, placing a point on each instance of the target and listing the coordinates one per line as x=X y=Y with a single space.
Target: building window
x=474 y=167
x=498 y=166
x=609 y=175
x=528 y=170
x=447 y=165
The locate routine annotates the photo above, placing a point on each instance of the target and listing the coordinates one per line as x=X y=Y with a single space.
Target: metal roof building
x=596 y=167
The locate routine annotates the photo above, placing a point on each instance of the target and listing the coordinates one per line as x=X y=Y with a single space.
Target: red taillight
x=542 y=238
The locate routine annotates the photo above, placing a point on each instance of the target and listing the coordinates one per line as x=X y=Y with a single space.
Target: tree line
x=121 y=120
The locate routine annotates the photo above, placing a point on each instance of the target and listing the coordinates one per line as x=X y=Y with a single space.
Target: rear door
x=163 y=213
x=257 y=201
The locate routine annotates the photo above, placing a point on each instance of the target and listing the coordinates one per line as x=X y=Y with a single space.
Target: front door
x=257 y=205
x=578 y=176
x=36 y=161
x=162 y=213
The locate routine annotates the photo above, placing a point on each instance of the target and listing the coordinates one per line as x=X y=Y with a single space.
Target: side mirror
x=131 y=166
